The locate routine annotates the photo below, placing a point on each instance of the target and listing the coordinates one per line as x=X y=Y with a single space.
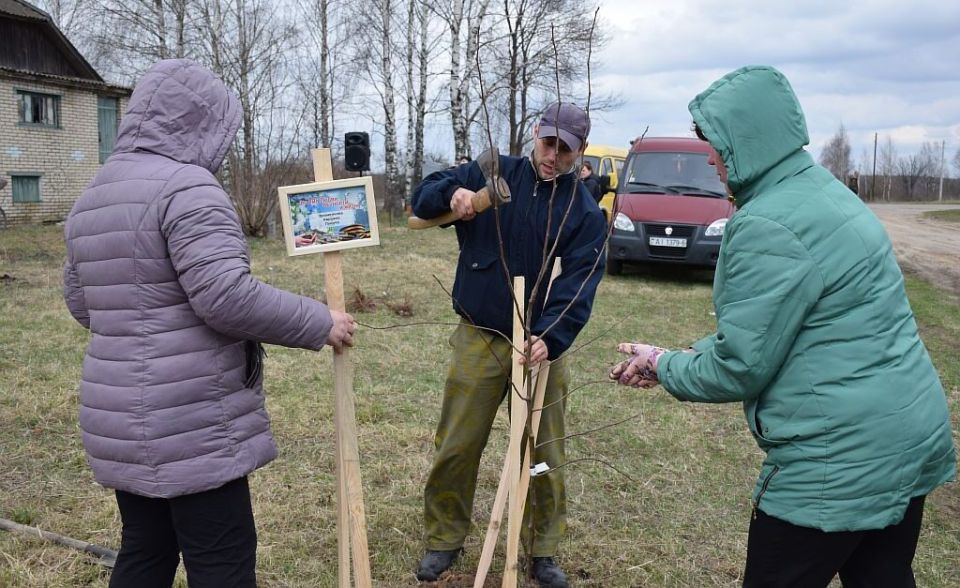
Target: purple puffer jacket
x=171 y=399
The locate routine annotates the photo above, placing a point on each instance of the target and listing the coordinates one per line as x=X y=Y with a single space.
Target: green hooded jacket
x=814 y=331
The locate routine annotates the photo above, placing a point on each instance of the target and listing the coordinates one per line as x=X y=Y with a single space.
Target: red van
x=671 y=206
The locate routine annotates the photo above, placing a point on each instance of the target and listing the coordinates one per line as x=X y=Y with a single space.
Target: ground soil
x=926 y=246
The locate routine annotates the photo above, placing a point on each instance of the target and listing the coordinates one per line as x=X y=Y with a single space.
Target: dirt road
x=926 y=246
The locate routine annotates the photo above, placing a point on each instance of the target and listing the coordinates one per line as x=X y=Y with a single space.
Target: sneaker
x=548 y=574
x=435 y=563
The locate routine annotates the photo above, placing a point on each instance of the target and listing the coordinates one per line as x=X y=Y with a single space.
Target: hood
x=181 y=110
x=753 y=119
x=673 y=208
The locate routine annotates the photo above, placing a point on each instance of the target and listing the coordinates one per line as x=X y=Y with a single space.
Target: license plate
x=667 y=242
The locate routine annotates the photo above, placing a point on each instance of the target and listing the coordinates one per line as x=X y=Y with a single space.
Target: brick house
x=58 y=117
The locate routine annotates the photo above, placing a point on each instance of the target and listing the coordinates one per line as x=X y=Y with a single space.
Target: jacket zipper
x=766 y=483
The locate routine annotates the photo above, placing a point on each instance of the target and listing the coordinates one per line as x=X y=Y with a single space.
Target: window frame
x=102 y=152
x=14 y=176
x=21 y=93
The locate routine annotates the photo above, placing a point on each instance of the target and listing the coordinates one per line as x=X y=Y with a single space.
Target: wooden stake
x=107 y=557
x=351 y=517
x=518 y=422
x=540 y=375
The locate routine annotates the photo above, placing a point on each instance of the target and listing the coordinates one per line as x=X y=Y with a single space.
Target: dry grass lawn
x=680 y=519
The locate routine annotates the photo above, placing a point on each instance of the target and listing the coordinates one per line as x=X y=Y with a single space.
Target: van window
x=605 y=166
x=594 y=162
x=674 y=173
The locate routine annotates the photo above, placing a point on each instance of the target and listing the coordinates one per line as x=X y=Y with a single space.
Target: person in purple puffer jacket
x=171 y=398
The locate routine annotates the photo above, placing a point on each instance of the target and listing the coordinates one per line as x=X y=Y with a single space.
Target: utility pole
x=943 y=147
x=873 y=178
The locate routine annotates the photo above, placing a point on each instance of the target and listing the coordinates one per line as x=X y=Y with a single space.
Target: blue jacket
x=530 y=227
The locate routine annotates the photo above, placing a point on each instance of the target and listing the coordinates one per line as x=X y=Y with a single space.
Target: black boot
x=548 y=574
x=435 y=563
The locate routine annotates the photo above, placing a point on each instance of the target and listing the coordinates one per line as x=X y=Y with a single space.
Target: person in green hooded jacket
x=815 y=336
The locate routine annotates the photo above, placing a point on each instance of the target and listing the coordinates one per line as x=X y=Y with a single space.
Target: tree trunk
x=456 y=89
x=422 y=57
x=394 y=180
x=325 y=85
x=161 y=31
x=409 y=68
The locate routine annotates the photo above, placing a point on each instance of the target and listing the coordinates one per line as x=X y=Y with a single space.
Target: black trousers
x=214 y=530
x=782 y=555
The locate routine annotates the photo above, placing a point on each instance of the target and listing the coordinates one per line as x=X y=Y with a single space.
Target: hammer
x=496 y=188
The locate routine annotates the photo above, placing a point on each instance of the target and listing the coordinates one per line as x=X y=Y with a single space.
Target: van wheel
x=614 y=266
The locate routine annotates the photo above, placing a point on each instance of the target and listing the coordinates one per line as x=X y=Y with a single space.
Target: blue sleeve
x=571 y=296
x=432 y=197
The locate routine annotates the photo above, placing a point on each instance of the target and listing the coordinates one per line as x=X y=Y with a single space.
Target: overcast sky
x=876 y=66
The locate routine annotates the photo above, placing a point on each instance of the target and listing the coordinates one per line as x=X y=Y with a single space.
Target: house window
x=26 y=189
x=107 y=116
x=39 y=109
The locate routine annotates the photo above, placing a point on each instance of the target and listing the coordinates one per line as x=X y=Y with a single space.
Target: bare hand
x=341 y=335
x=537 y=350
x=462 y=203
x=640 y=370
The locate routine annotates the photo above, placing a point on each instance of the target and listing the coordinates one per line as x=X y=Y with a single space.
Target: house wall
x=66 y=158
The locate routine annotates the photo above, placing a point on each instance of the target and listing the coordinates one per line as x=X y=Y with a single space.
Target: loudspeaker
x=356 y=151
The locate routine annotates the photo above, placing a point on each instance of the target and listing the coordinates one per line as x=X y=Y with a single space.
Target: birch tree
x=463 y=20
x=836 y=155
x=320 y=67
x=417 y=53
x=247 y=43
x=887 y=168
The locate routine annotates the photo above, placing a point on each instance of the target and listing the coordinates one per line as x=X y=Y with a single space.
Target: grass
x=952 y=216
x=680 y=520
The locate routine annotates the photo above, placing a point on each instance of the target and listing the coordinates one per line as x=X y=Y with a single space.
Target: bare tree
x=417 y=57
x=319 y=67
x=916 y=169
x=70 y=16
x=247 y=42
x=535 y=65
x=124 y=38
x=956 y=161
x=463 y=19
x=375 y=54
x=836 y=155
x=887 y=168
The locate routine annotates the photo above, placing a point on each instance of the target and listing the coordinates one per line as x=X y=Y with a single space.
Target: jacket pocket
x=478 y=260
x=761 y=433
x=255 y=353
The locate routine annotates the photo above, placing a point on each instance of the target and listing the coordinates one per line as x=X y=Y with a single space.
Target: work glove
x=640 y=369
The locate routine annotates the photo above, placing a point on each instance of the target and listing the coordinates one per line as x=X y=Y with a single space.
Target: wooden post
x=351 y=518
x=539 y=376
x=518 y=422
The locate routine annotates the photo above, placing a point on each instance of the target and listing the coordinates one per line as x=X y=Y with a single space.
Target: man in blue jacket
x=550 y=216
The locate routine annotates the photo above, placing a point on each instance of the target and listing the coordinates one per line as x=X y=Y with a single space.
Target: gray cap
x=567 y=121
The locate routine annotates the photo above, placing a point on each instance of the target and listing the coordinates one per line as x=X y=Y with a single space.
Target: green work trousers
x=477 y=382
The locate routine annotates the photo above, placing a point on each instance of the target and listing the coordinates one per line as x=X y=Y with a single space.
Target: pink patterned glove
x=640 y=370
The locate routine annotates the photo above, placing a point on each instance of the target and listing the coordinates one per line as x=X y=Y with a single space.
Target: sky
x=878 y=66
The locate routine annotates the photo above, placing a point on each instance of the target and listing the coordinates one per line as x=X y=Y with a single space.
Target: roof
x=19 y=9
x=22 y=9
x=678 y=144
x=64 y=81
x=605 y=150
